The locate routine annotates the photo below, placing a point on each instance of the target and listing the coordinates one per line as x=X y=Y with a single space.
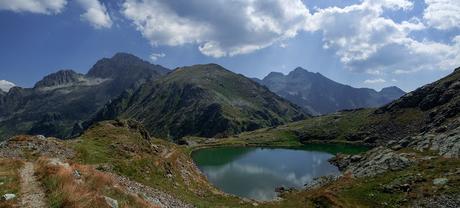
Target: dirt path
x=32 y=195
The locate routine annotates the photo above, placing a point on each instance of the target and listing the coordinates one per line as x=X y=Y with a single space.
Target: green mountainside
x=433 y=108
x=202 y=100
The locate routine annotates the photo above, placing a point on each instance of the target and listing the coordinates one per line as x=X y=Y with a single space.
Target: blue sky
x=368 y=43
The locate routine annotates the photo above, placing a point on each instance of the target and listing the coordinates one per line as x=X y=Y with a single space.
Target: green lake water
x=255 y=172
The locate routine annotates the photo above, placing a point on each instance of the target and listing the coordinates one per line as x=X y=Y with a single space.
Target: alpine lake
x=256 y=172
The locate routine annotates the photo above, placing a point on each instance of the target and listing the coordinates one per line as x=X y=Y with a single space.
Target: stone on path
x=111 y=202
x=7 y=197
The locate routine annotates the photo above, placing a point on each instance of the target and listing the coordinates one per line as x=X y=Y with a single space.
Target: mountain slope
x=320 y=95
x=438 y=102
x=433 y=109
x=202 y=100
x=58 y=103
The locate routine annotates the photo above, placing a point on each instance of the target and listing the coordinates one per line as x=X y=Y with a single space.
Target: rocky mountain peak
x=321 y=95
x=61 y=77
x=275 y=74
x=392 y=89
x=124 y=65
x=299 y=69
x=301 y=73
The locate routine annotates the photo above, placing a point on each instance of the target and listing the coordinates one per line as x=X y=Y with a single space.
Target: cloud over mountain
x=220 y=28
x=96 y=14
x=375 y=37
x=361 y=35
x=374 y=81
x=6 y=85
x=442 y=14
x=365 y=39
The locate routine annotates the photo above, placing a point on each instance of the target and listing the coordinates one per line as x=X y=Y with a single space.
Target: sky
x=362 y=43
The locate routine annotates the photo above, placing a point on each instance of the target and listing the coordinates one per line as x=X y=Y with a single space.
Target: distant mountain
x=58 y=103
x=320 y=95
x=202 y=100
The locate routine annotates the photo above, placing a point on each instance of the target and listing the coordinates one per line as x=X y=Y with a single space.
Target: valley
x=203 y=136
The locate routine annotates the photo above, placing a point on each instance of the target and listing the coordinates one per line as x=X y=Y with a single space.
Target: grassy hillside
x=202 y=100
x=121 y=147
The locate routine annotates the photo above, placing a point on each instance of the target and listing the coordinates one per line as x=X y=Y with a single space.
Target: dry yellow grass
x=64 y=189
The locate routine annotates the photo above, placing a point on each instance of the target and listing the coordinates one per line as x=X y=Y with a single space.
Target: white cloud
x=6 y=85
x=442 y=14
x=34 y=6
x=96 y=14
x=363 y=37
x=220 y=28
x=374 y=81
x=367 y=41
x=155 y=56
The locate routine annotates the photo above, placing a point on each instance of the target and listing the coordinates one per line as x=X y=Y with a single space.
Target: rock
x=356 y=158
x=321 y=181
x=447 y=144
x=280 y=189
x=404 y=142
x=373 y=162
x=111 y=202
x=40 y=137
x=396 y=147
x=77 y=174
x=341 y=161
x=444 y=201
x=371 y=139
x=7 y=197
x=440 y=181
x=58 y=162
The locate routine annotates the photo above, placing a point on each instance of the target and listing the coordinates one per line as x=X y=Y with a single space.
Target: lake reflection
x=256 y=172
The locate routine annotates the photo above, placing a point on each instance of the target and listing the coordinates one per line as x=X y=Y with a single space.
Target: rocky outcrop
x=447 y=144
x=373 y=162
x=20 y=147
x=63 y=77
x=443 y=201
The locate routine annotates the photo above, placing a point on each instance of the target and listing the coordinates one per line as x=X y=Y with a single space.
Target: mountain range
x=200 y=100
x=320 y=95
x=58 y=103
